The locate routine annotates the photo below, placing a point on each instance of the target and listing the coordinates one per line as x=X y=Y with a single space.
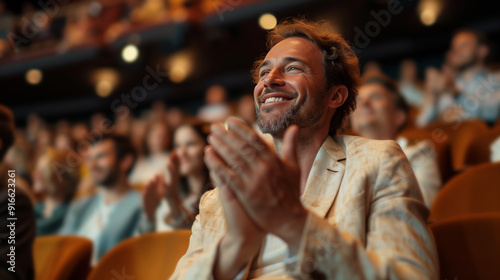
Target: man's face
x=291 y=86
x=103 y=163
x=464 y=51
x=375 y=109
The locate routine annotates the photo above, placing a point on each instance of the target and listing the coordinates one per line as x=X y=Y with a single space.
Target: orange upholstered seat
x=476 y=190
x=149 y=256
x=469 y=246
x=60 y=257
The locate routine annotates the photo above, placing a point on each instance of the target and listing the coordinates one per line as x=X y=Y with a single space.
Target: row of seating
x=148 y=256
x=465 y=221
x=458 y=145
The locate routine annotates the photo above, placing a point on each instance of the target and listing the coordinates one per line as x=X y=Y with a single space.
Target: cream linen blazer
x=367 y=220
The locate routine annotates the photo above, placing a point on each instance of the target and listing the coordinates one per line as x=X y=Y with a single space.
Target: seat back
x=479 y=150
x=469 y=246
x=476 y=190
x=461 y=140
x=149 y=256
x=60 y=257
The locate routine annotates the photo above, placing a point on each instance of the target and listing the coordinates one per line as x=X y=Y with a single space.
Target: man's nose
x=274 y=78
x=363 y=102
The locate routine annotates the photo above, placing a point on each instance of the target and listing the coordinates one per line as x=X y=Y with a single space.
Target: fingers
x=248 y=135
x=160 y=185
x=227 y=153
x=240 y=145
x=220 y=173
x=173 y=169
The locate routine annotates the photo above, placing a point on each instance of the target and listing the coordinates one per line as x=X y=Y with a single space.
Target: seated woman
x=156 y=144
x=56 y=179
x=171 y=202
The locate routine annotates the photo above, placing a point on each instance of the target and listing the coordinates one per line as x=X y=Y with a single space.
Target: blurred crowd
x=135 y=173
x=61 y=25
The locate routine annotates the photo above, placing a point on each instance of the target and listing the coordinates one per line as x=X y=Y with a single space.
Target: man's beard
x=291 y=116
x=468 y=64
x=109 y=180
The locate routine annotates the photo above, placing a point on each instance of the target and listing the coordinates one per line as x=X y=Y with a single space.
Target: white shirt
x=148 y=167
x=495 y=150
x=423 y=160
x=92 y=228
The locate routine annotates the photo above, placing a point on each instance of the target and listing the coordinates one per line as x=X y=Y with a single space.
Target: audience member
x=17 y=263
x=171 y=201
x=157 y=145
x=57 y=179
x=216 y=107
x=476 y=94
x=381 y=113
x=410 y=86
x=112 y=214
x=353 y=201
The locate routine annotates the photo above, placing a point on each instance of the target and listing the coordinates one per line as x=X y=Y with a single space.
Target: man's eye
x=293 y=68
x=263 y=73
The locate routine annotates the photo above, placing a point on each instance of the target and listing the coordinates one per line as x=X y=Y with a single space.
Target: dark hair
x=391 y=85
x=340 y=63
x=123 y=146
x=202 y=129
x=7 y=130
x=481 y=39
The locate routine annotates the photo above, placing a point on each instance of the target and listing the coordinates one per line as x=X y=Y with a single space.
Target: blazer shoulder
x=368 y=147
x=209 y=199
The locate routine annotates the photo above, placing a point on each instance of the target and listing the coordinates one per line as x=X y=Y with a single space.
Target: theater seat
x=480 y=149
x=461 y=140
x=149 y=256
x=61 y=257
x=469 y=246
x=476 y=190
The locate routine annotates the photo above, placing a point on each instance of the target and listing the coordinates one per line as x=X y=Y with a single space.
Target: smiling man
x=112 y=214
x=322 y=206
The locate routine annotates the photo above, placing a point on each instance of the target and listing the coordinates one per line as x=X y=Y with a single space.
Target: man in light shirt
x=381 y=113
x=323 y=206
x=112 y=214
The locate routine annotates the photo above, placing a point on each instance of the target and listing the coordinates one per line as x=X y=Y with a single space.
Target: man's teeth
x=273 y=99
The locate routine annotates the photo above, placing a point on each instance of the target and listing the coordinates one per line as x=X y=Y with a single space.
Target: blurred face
x=409 y=70
x=157 y=140
x=103 y=163
x=62 y=142
x=216 y=95
x=246 y=109
x=464 y=51
x=291 y=86
x=189 y=147
x=41 y=177
x=375 y=109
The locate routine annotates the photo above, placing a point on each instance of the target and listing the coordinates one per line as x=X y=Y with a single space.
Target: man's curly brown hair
x=340 y=63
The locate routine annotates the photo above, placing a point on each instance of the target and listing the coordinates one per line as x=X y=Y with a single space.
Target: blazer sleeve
x=198 y=261
x=398 y=243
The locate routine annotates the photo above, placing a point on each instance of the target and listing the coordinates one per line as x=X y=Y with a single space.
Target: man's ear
x=483 y=51
x=338 y=95
x=400 y=118
x=127 y=162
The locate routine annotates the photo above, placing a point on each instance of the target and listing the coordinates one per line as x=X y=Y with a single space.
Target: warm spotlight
x=267 y=21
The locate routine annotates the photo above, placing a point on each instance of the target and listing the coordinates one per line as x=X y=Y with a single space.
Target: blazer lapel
x=324 y=178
